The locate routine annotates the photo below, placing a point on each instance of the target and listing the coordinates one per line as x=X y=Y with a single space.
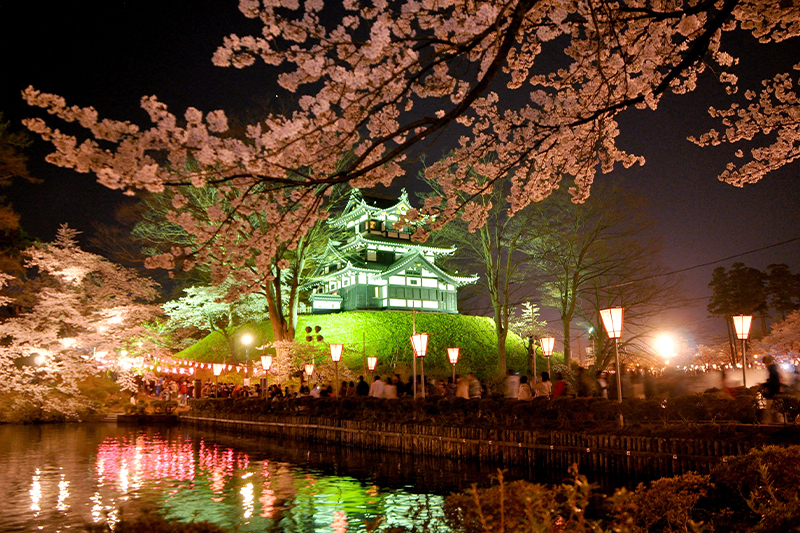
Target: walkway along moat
x=608 y=455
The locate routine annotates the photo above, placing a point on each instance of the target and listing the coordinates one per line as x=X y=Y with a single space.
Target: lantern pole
x=612 y=321
x=336 y=355
x=414 y=354
x=742 y=325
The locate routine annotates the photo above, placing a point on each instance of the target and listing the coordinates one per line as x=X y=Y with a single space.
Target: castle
x=378 y=267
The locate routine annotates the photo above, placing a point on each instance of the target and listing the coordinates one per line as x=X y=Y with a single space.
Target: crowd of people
x=636 y=383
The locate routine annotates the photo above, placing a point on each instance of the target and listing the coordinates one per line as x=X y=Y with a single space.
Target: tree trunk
x=502 y=335
x=731 y=340
x=565 y=322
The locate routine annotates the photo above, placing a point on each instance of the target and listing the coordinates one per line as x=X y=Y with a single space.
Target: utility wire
x=701 y=265
x=671 y=273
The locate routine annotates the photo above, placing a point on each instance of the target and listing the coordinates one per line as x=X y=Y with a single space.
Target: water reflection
x=58 y=478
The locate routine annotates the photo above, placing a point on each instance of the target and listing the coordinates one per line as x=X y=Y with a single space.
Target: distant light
x=665 y=345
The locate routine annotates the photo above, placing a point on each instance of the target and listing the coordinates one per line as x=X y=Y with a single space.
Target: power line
x=671 y=273
x=701 y=265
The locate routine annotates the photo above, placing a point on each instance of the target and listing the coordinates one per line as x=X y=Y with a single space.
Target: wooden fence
x=645 y=457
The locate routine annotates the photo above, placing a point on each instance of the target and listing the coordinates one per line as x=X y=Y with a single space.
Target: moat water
x=62 y=477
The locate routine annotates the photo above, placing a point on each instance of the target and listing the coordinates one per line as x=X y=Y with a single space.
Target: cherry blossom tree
x=772 y=114
x=717 y=354
x=237 y=254
x=783 y=340
x=206 y=309
x=536 y=84
x=88 y=307
x=494 y=249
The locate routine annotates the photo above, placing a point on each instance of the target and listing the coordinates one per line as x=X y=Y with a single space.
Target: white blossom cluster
x=530 y=89
x=87 y=306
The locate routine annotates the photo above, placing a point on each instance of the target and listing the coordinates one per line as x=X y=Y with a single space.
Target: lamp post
x=266 y=363
x=247 y=340
x=420 y=344
x=452 y=355
x=547 y=344
x=336 y=356
x=217 y=371
x=309 y=368
x=612 y=321
x=742 y=325
x=372 y=362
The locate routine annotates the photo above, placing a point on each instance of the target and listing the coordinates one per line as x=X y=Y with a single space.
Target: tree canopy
x=538 y=85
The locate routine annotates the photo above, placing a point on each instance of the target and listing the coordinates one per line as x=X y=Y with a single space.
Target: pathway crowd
x=636 y=383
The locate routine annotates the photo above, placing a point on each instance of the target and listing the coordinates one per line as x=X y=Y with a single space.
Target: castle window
x=372 y=255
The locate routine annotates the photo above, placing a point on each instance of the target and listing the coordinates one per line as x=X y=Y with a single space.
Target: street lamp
x=372 y=362
x=336 y=356
x=452 y=354
x=420 y=344
x=309 y=367
x=217 y=371
x=547 y=344
x=266 y=363
x=742 y=325
x=612 y=321
x=247 y=340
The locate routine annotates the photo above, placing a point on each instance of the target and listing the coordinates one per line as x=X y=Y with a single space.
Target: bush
x=164 y=406
x=756 y=492
x=667 y=504
x=763 y=486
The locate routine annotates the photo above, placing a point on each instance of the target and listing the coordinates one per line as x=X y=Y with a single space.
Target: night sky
x=109 y=55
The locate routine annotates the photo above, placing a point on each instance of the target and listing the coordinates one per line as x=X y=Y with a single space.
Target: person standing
x=389 y=390
x=462 y=388
x=544 y=387
x=474 y=386
x=376 y=389
x=525 y=392
x=450 y=389
x=362 y=389
x=560 y=386
x=511 y=385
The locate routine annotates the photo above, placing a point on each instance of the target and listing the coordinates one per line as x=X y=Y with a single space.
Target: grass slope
x=385 y=334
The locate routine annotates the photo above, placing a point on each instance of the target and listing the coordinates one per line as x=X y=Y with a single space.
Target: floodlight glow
x=665 y=345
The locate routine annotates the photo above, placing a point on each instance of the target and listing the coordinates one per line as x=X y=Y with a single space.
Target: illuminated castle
x=378 y=267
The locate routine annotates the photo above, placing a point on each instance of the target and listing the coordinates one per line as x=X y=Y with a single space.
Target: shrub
x=164 y=406
x=666 y=505
x=762 y=487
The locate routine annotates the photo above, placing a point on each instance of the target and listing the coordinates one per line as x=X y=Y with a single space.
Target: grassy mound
x=385 y=334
